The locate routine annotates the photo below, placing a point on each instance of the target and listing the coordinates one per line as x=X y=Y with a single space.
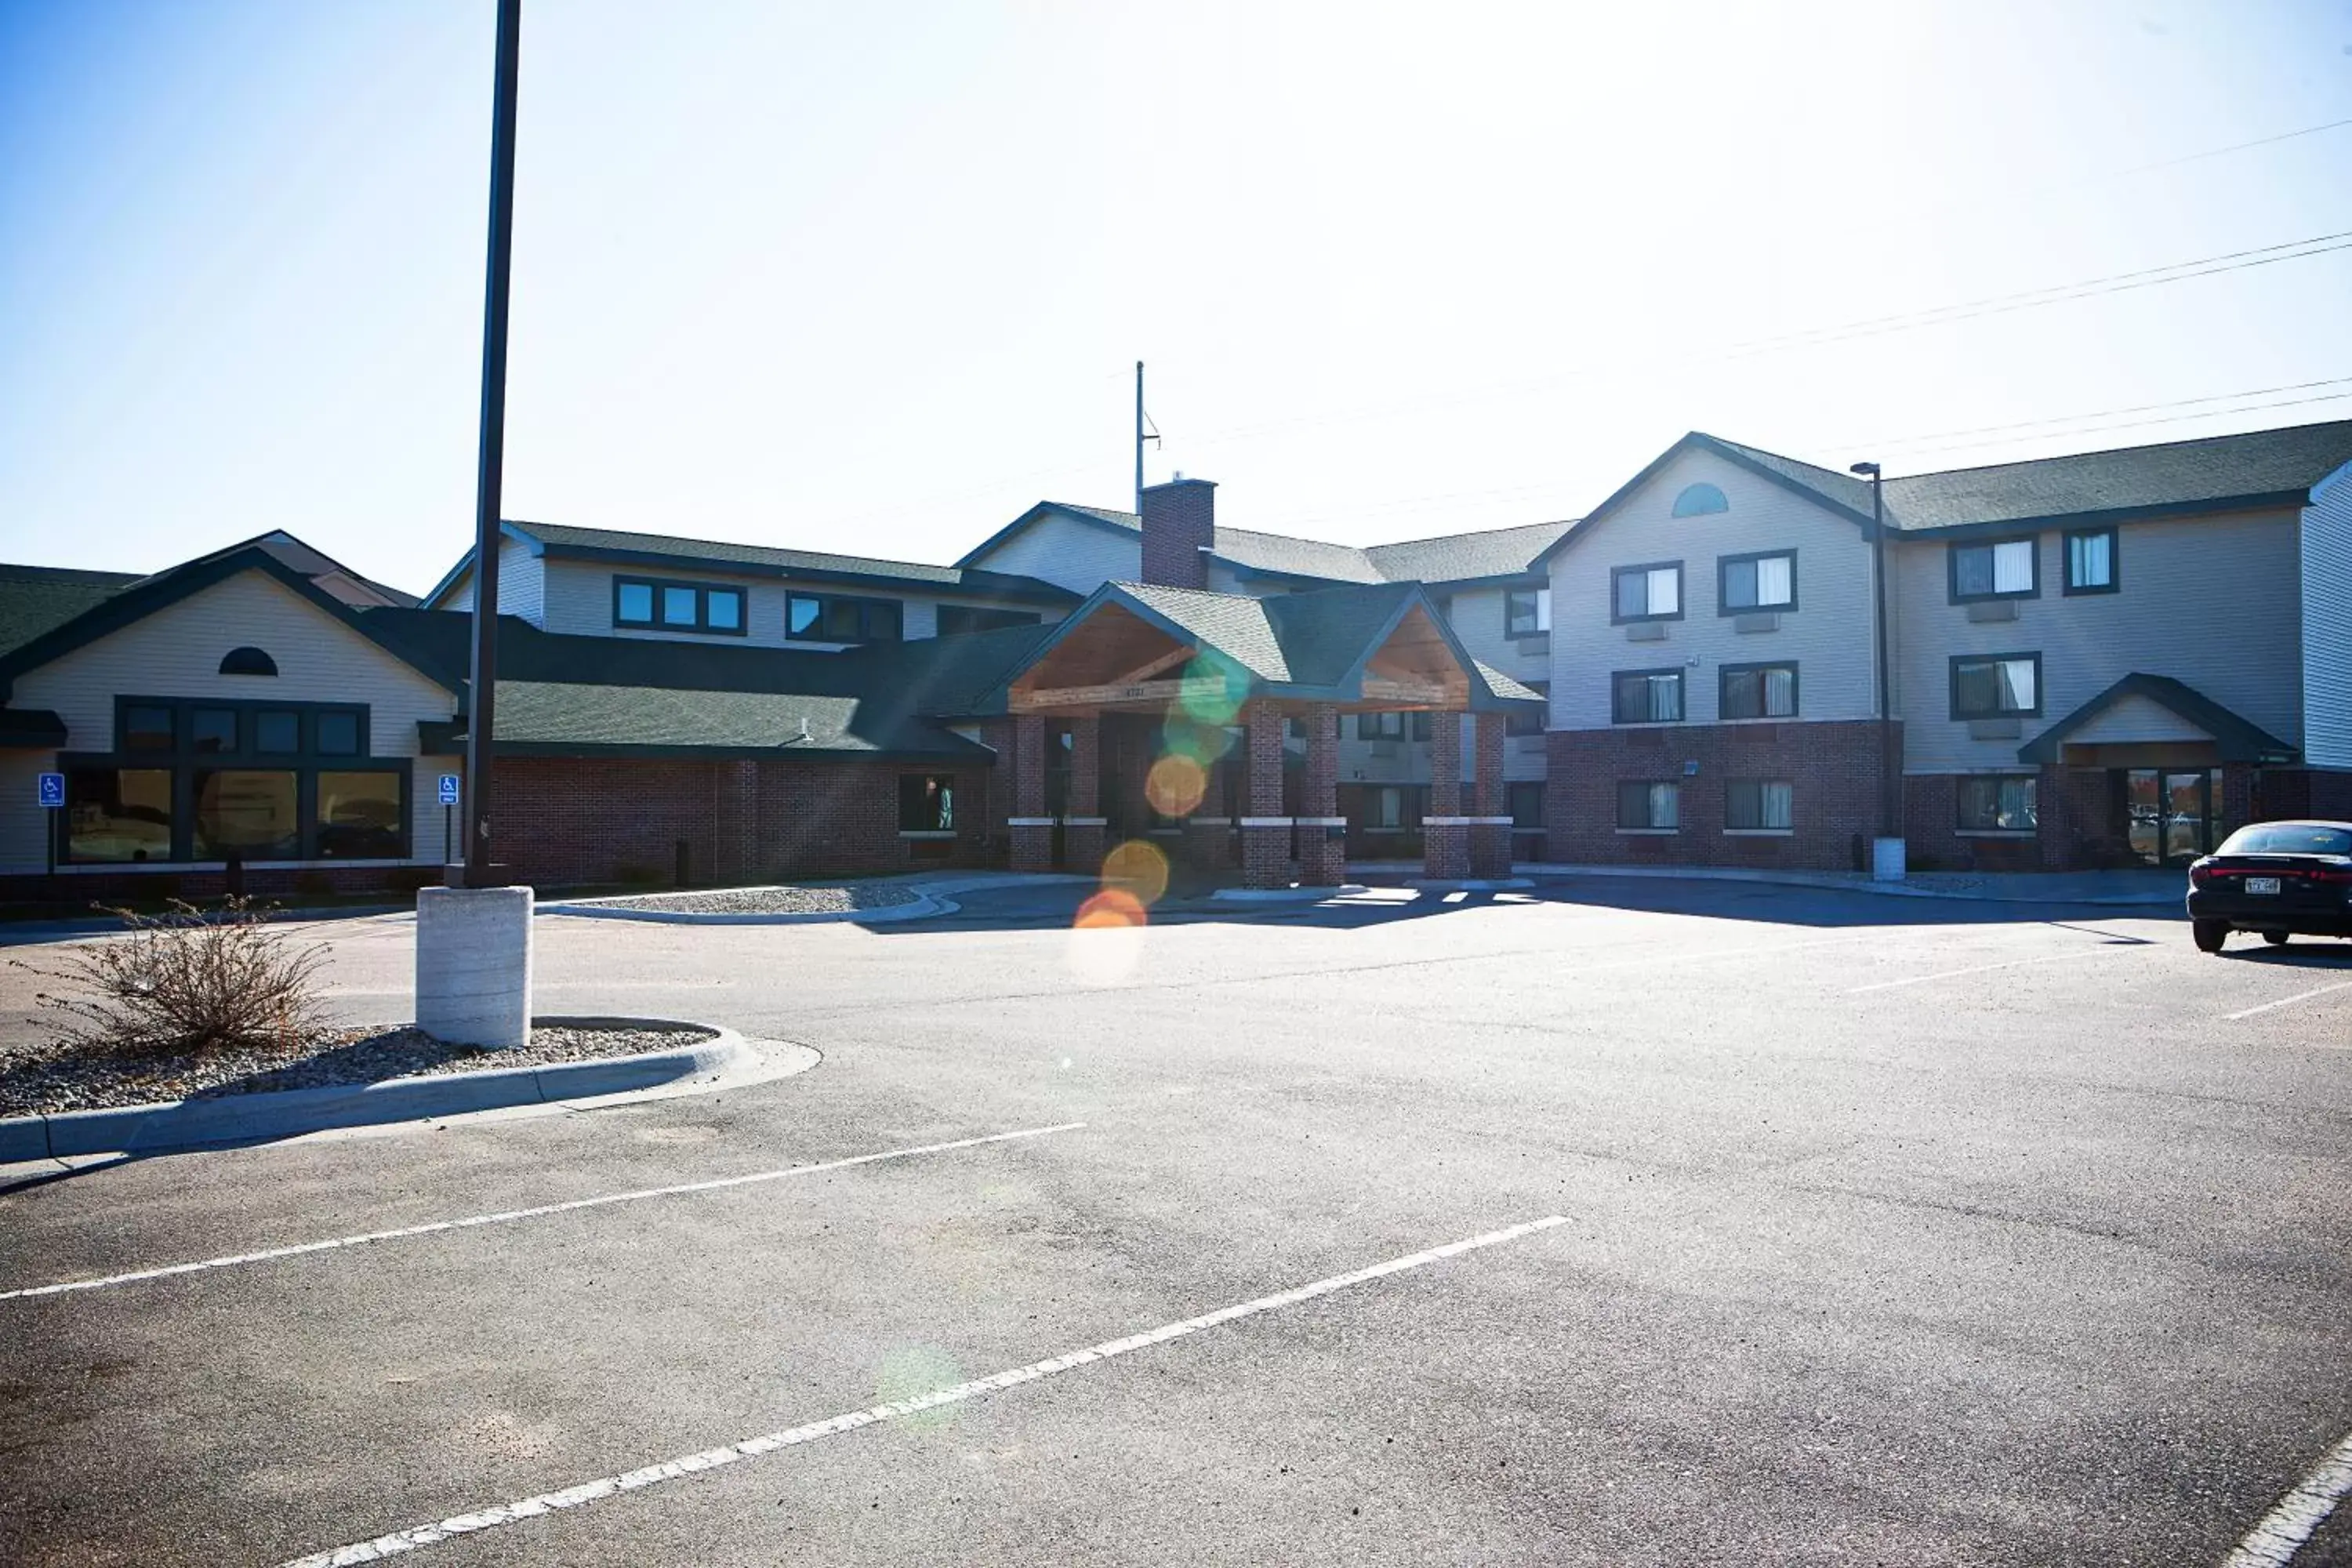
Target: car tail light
x=2200 y=875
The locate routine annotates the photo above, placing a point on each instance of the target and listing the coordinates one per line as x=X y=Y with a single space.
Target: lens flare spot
x=1203 y=743
x=1137 y=868
x=1210 y=696
x=1106 y=941
x=912 y=1371
x=1175 y=785
x=1113 y=909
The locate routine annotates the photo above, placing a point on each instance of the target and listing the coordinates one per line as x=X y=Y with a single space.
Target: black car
x=2281 y=879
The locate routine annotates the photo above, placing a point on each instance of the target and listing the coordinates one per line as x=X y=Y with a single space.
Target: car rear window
x=2288 y=838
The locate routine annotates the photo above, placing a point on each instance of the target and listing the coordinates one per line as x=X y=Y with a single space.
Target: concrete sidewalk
x=2123 y=889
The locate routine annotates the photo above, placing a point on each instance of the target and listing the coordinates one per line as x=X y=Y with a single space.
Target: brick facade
x=1180 y=524
x=1445 y=846
x=1490 y=843
x=1322 y=849
x=1833 y=769
x=1266 y=851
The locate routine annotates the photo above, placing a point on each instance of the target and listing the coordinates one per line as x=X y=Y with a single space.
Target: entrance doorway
x=2171 y=816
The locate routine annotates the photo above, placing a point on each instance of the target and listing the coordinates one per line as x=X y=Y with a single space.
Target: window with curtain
x=1759 y=691
x=1649 y=806
x=1752 y=583
x=2002 y=569
x=1996 y=686
x=1527 y=612
x=1646 y=593
x=2091 y=561
x=1998 y=803
x=1647 y=697
x=1753 y=805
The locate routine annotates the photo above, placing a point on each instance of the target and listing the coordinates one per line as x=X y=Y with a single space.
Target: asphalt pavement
x=1892 y=1231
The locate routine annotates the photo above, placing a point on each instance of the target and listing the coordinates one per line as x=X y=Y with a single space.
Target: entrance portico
x=1250 y=690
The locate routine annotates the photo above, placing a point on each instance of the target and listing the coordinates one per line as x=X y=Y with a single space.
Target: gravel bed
x=46 y=1077
x=841 y=900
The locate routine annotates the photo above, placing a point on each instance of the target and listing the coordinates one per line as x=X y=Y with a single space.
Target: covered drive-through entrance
x=1212 y=720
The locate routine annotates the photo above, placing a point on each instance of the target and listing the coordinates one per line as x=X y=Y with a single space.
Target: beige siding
x=580 y=601
x=1071 y=554
x=2212 y=602
x=176 y=652
x=522 y=585
x=2135 y=721
x=1475 y=615
x=2326 y=568
x=1828 y=636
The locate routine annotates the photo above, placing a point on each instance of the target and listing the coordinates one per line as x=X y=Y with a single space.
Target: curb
x=285 y=1113
x=922 y=907
x=1881 y=889
x=1468 y=884
x=1285 y=895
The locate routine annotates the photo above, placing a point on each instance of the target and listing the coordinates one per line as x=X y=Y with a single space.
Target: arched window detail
x=248 y=661
x=1698 y=501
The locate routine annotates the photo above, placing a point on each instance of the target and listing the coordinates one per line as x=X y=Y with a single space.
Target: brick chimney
x=1180 y=524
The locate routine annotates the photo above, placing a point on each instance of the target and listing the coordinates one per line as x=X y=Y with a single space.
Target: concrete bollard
x=473 y=965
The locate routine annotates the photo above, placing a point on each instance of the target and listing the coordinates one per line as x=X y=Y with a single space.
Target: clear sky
x=873 y=277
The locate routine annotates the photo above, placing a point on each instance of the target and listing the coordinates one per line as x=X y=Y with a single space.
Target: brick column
x=736 y=821
x=1490 y=840
x=1322 y=831
x=1032 y=831
x=1082 y=820
x=1444 y=837
x=1265 y=831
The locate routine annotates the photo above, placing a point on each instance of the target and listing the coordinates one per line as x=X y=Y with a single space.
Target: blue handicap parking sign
x=449 y=789
x=53 y=790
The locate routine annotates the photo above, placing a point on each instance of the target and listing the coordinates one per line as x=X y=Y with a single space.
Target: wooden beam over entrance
x=1412 y=694
x=1055 y=697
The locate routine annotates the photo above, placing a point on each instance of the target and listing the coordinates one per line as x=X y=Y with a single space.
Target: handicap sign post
x=53 y=798
x=448 y=805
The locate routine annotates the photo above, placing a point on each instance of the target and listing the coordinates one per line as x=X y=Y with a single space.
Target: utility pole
x=489 y=476
x=1138 y=438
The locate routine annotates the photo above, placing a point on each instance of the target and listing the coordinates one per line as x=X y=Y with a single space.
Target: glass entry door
x=2172 y=814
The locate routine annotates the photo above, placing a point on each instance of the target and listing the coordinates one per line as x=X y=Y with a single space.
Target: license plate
x=2261 y=884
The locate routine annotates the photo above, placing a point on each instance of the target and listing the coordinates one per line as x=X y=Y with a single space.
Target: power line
x=1885 y=441
x=2135 y=424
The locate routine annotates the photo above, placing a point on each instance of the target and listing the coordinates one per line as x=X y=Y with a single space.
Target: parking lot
x=1807 y=1227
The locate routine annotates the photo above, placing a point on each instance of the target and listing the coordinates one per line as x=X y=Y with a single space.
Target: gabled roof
x=2253 y=467
x=2238 y=739
x=37 y=599
x=669 y=552
x=1312 y=646
x=1446 y=560
x=574 y=719
x=146 y=596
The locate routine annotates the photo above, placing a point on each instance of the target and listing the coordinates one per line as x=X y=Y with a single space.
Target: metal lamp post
x=1887 y=853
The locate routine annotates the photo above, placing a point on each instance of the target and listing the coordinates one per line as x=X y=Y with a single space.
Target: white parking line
x=2287 y=1001
x=2273 y=1542
x=753 y=1447
x=506 y=1216
x=1980 y=969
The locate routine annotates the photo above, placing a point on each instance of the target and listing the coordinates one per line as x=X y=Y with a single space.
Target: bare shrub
x=189 y=980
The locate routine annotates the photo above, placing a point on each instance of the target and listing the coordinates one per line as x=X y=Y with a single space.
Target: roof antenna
x=1145 y=430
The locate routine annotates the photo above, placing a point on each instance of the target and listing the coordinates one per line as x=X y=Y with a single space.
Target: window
x=249 y=814
x=674 y=606
x=1645 y=807
x=147 y=727
x=212 y=729
x=277 y=733
x=1699 y=500
x=955 y=620
x=1747 y=584
x=1758 y=692
x=1392 y=726
x=2003 y=569
x=1646 y=593
x=1527 y=612
x=1647 y=697
x=2091 y=561
x=1996 y=686
x=927 y=802
x=1388 y=807
x=1525 y=800
x=1417 y=726
x=118 y=815
x=2288 y=838
x=1519 y=723
x=1998 y=803
x=1758 y=806
x=248 y=661
x=205 y=781
x=833 y=618
x=360 y=815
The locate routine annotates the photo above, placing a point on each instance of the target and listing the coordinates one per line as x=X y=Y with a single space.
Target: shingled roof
x=37 y=599
x=1445 y=560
